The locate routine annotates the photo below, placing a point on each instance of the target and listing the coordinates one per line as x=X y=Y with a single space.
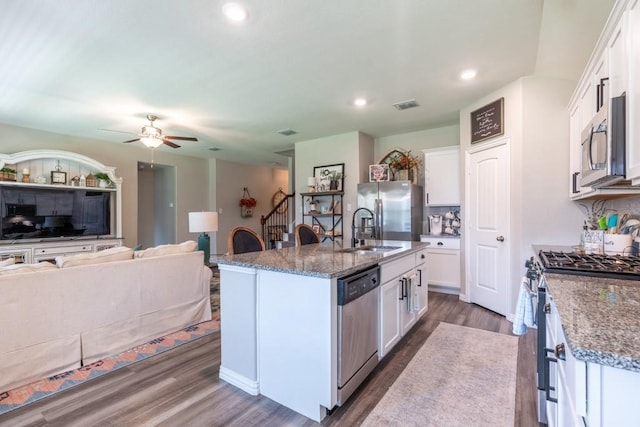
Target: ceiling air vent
x=215 y=149
x=405 y=105
x=287 y=132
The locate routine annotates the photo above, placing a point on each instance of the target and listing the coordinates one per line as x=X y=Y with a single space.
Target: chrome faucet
x=353 y=227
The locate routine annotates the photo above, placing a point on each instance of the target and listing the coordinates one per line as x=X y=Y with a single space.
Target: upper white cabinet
x=633 y=91
x=442 y=176
x=614 y=69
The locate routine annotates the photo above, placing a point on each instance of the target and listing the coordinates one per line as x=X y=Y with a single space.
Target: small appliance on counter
x=435 y=225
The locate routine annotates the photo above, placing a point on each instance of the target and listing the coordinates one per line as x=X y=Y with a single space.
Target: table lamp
x=203 y=222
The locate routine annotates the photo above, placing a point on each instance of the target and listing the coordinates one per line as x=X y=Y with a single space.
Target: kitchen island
x=597 y=320
x=279 y=317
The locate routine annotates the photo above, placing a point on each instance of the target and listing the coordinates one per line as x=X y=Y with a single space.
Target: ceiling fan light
x=151 y=131
x=151 y=141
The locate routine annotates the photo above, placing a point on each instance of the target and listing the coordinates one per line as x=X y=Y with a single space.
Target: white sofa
x=57 y=319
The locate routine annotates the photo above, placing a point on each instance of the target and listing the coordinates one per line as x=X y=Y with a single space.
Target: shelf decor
x=7 y=174
x=329 y=177
x=247 y=203
x=403 y=164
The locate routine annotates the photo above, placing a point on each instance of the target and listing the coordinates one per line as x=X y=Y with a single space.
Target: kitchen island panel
x=297 y=341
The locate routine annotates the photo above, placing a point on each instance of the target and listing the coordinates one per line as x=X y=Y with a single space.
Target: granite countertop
x=319 y=260
x=600 y=318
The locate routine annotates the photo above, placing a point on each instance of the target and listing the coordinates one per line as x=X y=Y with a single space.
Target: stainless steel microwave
x=603 y=146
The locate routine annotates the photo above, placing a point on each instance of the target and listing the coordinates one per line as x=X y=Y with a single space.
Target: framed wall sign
x=325 y=175
x=487 y=122
x=58 y=177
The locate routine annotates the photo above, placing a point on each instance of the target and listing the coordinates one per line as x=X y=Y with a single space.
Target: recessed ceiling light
x=360 y=102
x=468 y=74
x=235 y=12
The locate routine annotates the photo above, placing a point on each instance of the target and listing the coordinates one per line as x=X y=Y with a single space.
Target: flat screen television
x=50 y=213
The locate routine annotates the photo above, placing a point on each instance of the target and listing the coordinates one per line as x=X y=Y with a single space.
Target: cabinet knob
x=440 y=244
x=422 y=256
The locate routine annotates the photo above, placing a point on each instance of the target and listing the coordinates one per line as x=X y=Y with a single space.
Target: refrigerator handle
x=379 y=215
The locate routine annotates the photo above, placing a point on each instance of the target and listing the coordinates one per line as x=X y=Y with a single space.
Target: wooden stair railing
x=275 y=223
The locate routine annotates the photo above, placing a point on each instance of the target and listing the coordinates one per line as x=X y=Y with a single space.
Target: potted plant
x=7 y=174
x=103 y=179
x=334 y=180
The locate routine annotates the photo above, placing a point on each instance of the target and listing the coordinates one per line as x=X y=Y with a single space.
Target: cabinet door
x=422 y=290
x=444 y=267
x=575 y=150
x=442 y=177
x=633 y=95
x=409 y=302
x=389 y=316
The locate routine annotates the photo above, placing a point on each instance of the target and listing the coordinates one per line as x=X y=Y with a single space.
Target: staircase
x=275 y=225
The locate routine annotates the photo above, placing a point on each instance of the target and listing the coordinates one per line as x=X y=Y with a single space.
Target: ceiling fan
x=152 y=137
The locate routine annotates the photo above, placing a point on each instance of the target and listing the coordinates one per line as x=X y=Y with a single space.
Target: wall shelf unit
x=327 y=215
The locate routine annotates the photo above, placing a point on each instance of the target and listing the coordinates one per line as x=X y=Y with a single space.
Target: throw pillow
x=181 y=248
x=119 y=253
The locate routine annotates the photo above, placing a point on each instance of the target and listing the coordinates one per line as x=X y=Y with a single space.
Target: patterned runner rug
x=29 y=393
x=460 y=377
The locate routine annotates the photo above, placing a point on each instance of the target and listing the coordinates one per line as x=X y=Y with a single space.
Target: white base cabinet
x=587 y=393
x=403 y=298
x=443 y=264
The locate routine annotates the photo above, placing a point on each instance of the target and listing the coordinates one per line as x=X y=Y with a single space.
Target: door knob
x=500 y=238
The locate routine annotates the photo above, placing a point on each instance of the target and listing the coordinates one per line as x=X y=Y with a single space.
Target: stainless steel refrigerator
x=397 y=208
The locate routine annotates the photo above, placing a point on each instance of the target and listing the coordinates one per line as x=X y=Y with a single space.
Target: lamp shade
x=202 y=222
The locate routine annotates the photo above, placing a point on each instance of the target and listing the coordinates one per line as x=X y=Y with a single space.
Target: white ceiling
x=78 y=66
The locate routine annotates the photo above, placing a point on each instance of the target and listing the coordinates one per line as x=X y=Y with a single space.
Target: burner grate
x=624 y=266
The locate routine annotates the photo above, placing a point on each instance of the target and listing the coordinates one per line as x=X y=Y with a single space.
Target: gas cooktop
x=596 y=265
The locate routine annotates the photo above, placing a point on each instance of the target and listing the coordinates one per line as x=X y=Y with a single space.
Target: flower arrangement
x=404 y=161
x=247 y=201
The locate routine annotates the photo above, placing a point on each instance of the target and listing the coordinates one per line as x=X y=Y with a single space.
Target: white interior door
x=488 y=226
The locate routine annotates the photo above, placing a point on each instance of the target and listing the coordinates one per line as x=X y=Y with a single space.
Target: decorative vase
x=333 y=185
x=403 y=175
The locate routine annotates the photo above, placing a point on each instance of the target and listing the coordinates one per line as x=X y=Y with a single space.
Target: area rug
x=460 y=377
x=30 y=393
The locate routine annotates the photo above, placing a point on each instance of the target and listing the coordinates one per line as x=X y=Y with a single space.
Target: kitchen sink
x=370 y=249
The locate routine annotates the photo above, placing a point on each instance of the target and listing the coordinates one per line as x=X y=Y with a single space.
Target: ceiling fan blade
x=119 y=131
x=170 y=144
x=131 y=140
x=182 y=138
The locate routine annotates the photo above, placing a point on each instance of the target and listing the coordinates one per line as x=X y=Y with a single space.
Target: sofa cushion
x=184 y=247
x=118 y=253
x=25 y=268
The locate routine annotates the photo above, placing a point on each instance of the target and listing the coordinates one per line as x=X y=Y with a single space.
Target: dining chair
x=242 y=240
x=305 y=235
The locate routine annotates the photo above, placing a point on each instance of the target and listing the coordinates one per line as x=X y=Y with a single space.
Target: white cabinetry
x=587 y=393
x=615 y=63
x=442 y=176
x=633 y=92
x=403 y=298
x=443 y=264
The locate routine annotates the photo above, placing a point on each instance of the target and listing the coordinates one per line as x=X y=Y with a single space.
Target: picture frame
x=58 y=177
x=316 y=228
x=487 y=121
x=323 y=175
x=379 y=173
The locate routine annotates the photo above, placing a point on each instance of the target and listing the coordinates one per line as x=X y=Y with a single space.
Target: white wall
x=230 y=178
x=536 y=121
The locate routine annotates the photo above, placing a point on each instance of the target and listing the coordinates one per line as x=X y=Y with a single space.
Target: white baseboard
x=243 y=383
x=452 y=290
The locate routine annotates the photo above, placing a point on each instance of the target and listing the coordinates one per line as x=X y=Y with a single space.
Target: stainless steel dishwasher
x=358 y=296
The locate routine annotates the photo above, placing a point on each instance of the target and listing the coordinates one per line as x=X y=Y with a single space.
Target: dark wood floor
x=181 y=387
